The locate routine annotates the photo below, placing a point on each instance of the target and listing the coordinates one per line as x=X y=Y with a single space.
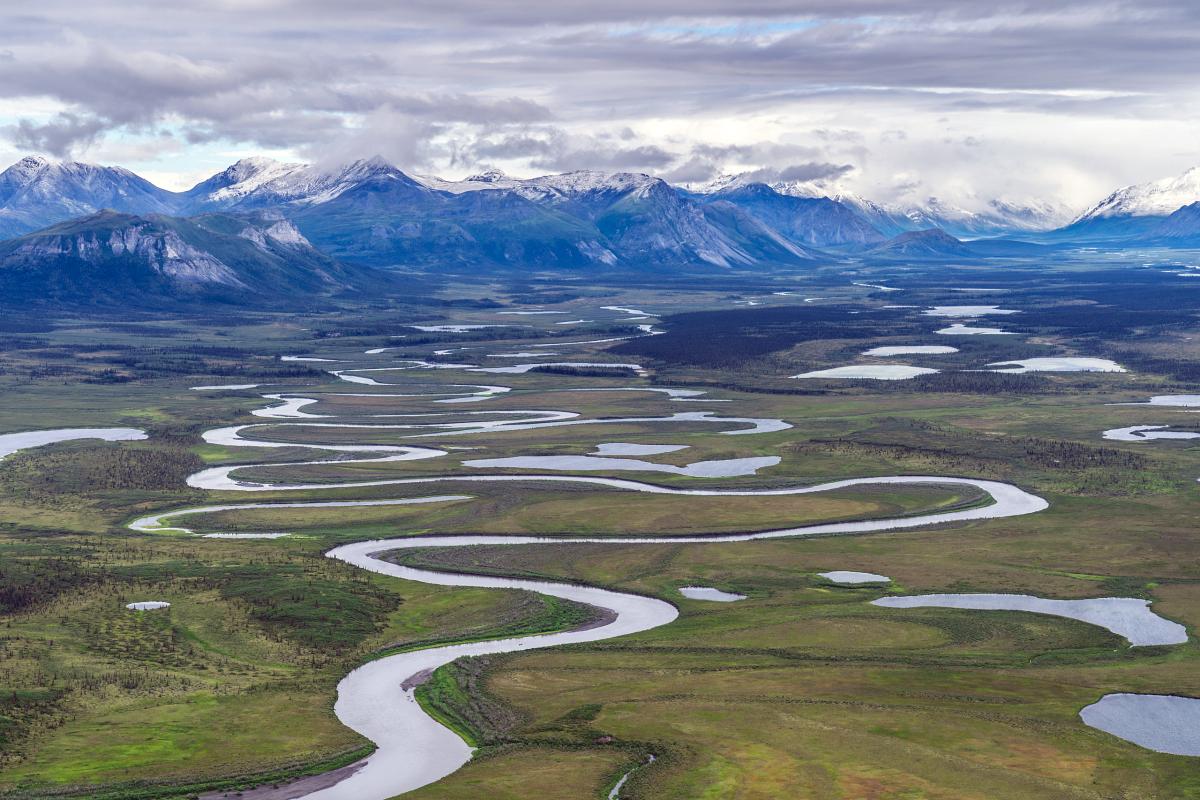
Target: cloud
x=58 y=137
x=693 y=170
x=644 y=158
x=689 y=89
x=553 y=149
x=813 y=171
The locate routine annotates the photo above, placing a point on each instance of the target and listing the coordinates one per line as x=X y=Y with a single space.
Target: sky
x=1053 y=101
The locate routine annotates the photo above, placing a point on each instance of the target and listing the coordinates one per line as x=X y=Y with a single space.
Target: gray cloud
x=58 y=136
x=693 y=170
x=645 y=158
x=550 y=148
x=814 y=171
x=574 y=83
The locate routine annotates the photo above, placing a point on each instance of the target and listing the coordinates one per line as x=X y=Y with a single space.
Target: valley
x=342 y=492
x=599 y=401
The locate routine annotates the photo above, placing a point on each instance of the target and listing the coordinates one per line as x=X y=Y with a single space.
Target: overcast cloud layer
x=896 y=100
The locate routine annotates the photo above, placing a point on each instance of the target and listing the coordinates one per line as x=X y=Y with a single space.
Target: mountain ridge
x=369 y=211
x=125 y=260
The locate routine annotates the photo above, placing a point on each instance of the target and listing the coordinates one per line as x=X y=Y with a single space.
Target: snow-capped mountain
x=1030 y=215
x=488 y=179
x=264 y=183
x=390 y=221
x=370 y=211
x=627 y=218
x=1155 y=199
x=36 y=192
x=650 y=219
x=814 y=221
x=998 y=217
x=238 y=181
x=1136 y=211
x=558 y=188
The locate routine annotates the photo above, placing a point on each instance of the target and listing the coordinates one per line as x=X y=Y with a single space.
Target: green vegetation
x=802 y=690
x=529 y=614
x=455 y=696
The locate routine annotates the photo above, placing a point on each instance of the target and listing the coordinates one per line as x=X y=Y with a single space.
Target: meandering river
x=377 y=699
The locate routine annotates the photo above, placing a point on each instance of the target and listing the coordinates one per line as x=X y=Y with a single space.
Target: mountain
x=390 y=221
x=574 y=219
x=1136 y=211
x=1155 y=199
x=488 y=179
x=36 y=192
x=754 y=242
x=233 y=184
x=265 y=183
x=371 y=212
x=1181 y=228
x=999 y=217
x=932 y=244
x=125 y=260
x=814 y=221
x=648 y=221
x=1035 y=216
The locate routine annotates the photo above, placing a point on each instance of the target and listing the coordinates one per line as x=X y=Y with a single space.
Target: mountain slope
x=998 y=217
x=649 y=221
x=390 y=222
x=1155 y=199
x=761 y=243
x=370 y=211
x=814 y=221
x=1135 y=212
x=575 y=219
x=1181 y=228
x=932 y=244
x=235 y=183
x=125 y=260
x=255 y=183
x=36 y=192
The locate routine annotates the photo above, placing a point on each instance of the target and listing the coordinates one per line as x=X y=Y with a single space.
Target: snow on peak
x=718 y=184
x=255 y=179
x=724 y=183
x=34 y=167
x=255 y=165
x=248 y=175
x=1031 y=215
x=793 y=188
x=489 y=176
x=807 y=189
x=488 y=179
x=33 y=163
x=564 y=185
x=590 y=180
x=23 y=173
x=365 y=168
x=1155 y=199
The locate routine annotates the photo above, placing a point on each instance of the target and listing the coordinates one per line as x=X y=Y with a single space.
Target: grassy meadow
x=801 y=690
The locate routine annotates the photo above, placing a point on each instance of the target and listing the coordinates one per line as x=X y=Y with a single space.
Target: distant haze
x=1054 y=101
